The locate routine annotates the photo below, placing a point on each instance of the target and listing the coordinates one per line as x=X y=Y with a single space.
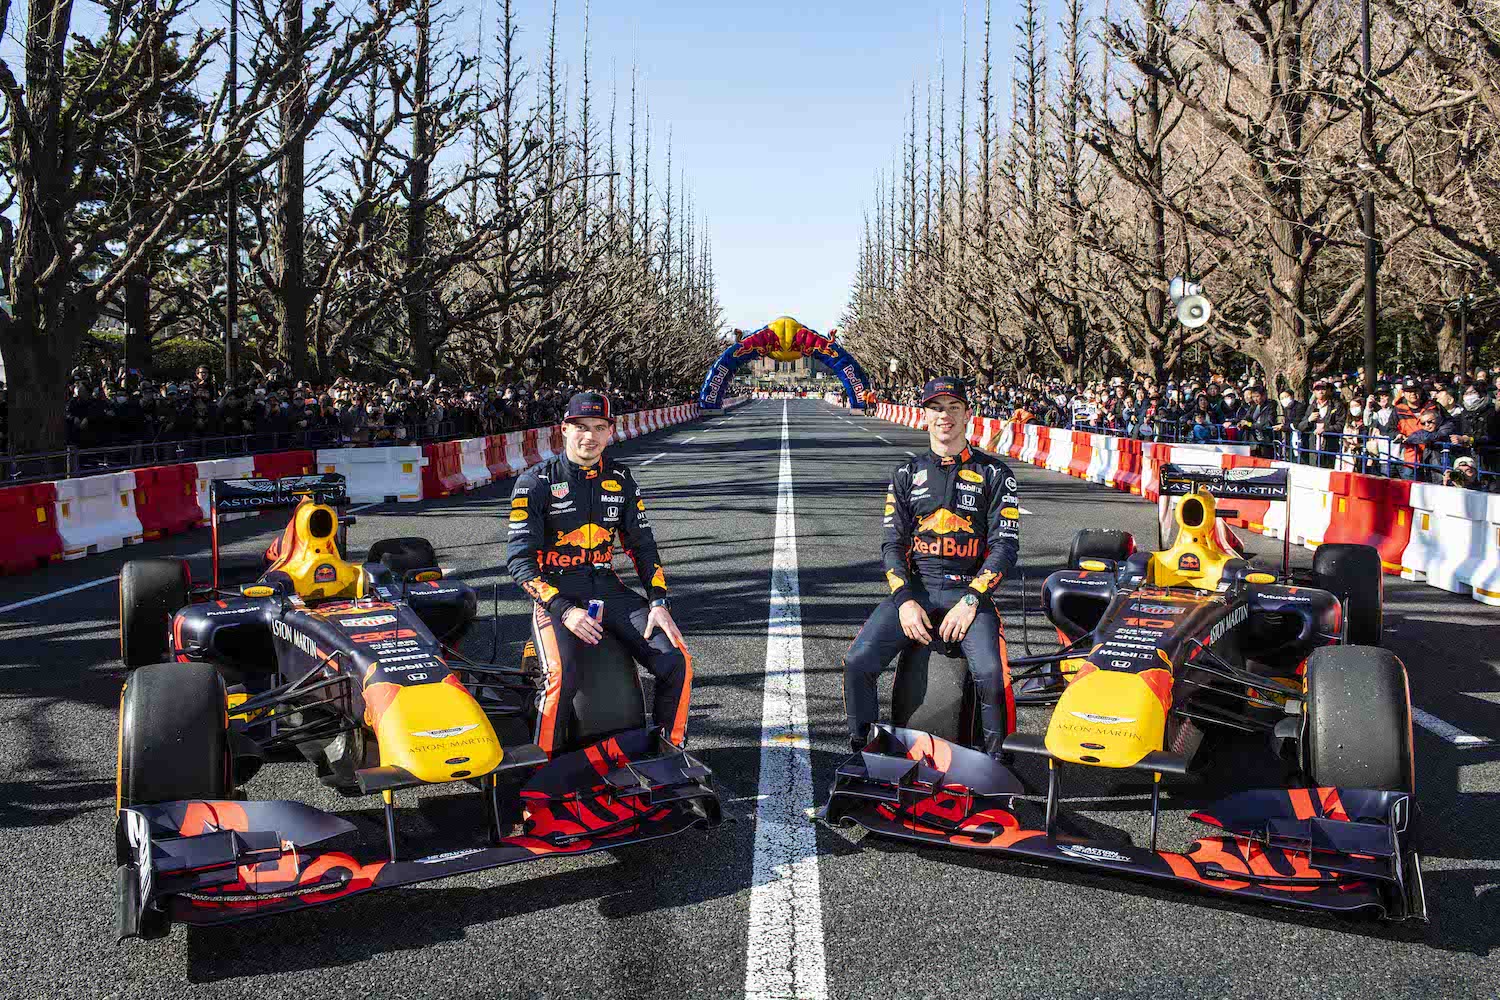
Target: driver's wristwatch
x=971 y=599
x=662 y=602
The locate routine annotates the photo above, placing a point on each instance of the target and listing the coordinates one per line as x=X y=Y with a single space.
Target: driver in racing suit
x=952 y=532
x=565 y=516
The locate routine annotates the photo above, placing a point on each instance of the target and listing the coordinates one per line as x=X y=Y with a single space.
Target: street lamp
x=232 y=229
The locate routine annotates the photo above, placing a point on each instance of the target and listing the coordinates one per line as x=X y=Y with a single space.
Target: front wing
x=1331 y=849
x=213 y=862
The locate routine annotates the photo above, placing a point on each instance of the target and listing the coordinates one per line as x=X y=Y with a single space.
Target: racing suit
x=564 y=520
x=952 y=527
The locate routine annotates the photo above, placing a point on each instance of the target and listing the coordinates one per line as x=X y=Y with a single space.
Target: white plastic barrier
x=373 y=475
x=1060 y=452
x=1311 y=504
x=97 y=514
x=1098 y=470
x=1007 y=438
x=1423 y=547
x=1032 y=442
x=515 y=459
x=223 y=468
x=1485 y=579
x=471 y=462
x=1462 y=527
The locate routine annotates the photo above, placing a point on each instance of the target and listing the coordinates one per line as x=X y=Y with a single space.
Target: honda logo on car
x=369 y=621
x=1228 y=622
x=286 y=633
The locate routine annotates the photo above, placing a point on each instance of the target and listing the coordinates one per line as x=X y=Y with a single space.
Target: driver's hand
x=661 y=618
x=915 y=623
x=580 y=624
x=957 y=621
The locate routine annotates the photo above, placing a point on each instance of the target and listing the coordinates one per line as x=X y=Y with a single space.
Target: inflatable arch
x=785 y=339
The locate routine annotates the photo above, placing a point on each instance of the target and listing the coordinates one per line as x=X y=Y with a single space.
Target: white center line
x=356 y=510
x=57 y=593
x=687 y=439
x=883 y=438
x=1437 y=727
x=784 y=954
x=911 y=453
x=652 y=459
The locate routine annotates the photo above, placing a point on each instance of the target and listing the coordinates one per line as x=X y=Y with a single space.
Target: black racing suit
x=564 y=521
x=952 y=527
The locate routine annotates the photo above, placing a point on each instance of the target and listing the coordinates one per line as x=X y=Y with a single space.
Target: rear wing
x=1242 y=483
x=245 y=496
x=1245 y=483
x=229 y=496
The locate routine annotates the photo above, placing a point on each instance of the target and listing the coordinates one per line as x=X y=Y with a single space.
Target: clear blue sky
x=782 y=113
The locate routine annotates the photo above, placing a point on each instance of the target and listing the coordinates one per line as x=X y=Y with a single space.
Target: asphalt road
x=670 y=920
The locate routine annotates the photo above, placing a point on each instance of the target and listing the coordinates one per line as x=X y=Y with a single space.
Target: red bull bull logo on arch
x=784 y=339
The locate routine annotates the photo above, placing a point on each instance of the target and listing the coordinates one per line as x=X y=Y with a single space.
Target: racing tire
x=1358 y=720
x=174 y=735
x=1354 y=574
x=932 y=693
x=1100 y=543
x=151 y=592
x=402 y=555
x=608 y=699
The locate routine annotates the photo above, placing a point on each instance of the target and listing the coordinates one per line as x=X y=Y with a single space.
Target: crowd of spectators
x=1432 y=428
x=124 y=409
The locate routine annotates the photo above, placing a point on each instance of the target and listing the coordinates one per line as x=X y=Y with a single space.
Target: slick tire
x=1100 y=543
x=608 y=699
x=402 y=555
x=932 y=693
x=1354 y=575
x=174 y=735
x=151 y=592
x=1358 y=728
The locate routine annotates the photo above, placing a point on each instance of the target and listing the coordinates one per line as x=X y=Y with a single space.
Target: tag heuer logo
x=443 y=734
x=559 y=490
x=919 y=478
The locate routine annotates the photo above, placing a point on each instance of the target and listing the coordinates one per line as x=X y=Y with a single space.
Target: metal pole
x=232 y=227
x=1367 y=201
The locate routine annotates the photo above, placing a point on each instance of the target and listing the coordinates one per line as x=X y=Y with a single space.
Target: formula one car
x=354 y=668
x=1158 y=651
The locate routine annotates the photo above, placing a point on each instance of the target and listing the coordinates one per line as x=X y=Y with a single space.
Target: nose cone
x=1107 y=718
x=437 y=732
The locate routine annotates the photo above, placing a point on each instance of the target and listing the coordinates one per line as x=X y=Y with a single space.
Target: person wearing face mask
x=1289 y=413
x=1322 y=424
x=1476 y=420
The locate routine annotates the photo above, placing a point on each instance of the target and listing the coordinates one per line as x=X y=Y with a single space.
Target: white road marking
x=58 y=593
x=652 y=459
x=356 y=510
x=911 y=453
x=687 y=439
x=1023 y=510
x=884 y=438
x=785 y=949
x=1437 y=727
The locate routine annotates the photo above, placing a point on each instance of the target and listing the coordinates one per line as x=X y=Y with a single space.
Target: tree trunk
x=418 y=318
x=291 y=189
x=1450 y=343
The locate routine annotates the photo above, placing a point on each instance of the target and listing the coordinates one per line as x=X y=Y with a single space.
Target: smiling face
x=585 y=438
x=947 y=423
